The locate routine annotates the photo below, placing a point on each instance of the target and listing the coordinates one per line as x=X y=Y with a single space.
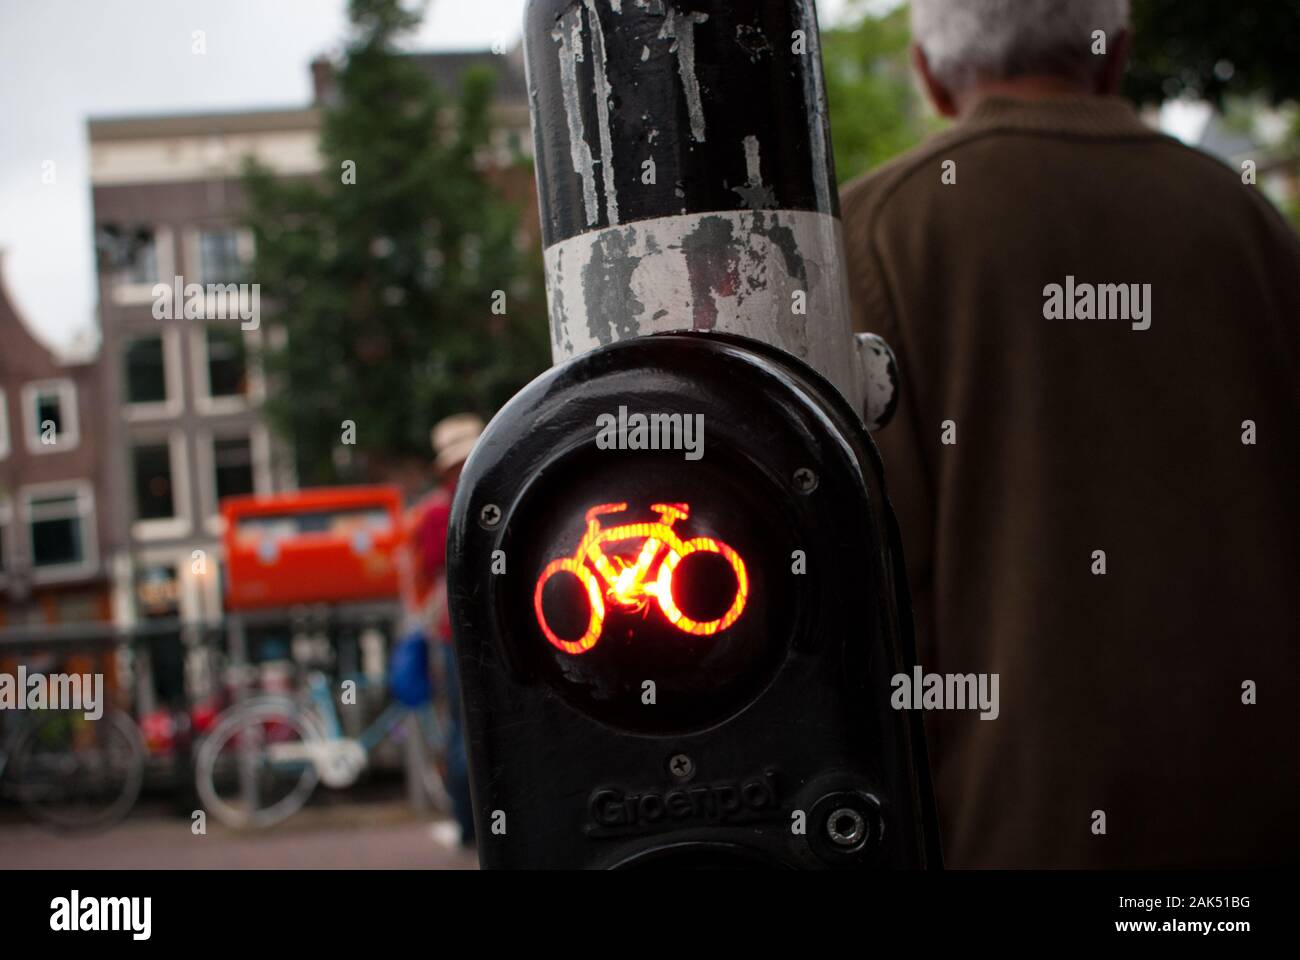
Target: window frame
x=174 y=404
x=125 y=293
x=193 y=242
x=181 y=523
x=204 y=401
x=66 y=440
x=259 y=444
x=84 y=493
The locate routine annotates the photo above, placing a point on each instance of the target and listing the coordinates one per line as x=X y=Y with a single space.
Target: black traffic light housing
x=756 y=727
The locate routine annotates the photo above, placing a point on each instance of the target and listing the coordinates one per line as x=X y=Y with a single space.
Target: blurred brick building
x=55 y=528
x=185 y=422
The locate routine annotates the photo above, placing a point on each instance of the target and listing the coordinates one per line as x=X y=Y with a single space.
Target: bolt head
x=681 y=766
x=490 y=515
x=805 y=481
x=846 y=827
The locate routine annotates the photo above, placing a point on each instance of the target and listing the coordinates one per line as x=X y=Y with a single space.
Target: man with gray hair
x=1094 y=458
x=966 y=48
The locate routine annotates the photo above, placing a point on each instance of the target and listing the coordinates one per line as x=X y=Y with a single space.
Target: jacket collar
x=1085 y=115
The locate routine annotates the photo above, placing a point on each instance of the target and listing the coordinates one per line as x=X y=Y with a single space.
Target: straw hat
x=454 y=438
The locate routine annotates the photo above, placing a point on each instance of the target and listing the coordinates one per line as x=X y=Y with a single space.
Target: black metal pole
x=686 y=181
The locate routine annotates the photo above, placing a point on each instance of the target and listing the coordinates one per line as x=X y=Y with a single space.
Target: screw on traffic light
x=651 y=683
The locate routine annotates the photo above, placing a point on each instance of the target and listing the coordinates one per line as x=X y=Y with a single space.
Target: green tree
x=876 y=112
x=395 y=273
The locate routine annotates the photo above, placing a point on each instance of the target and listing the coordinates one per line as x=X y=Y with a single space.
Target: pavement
x=372 y=835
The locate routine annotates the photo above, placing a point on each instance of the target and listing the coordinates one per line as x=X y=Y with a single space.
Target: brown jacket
x=1120 y=692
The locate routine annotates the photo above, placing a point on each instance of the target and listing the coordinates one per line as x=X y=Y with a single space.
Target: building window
x=154 y=493
x=135 y=259
x=232 y=461
x=227 y=362
x=142 y=265
x=4 y=426
x=59 y=526
x=159 y=487
x=146 y=370
x=131 y=252
x=219 y=259
x=231 y=464
x=50 y=412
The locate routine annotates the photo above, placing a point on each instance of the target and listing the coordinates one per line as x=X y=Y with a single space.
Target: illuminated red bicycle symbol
x=629 y=585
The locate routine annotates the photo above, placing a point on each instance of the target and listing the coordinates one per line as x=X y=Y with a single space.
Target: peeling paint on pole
x=756 y=195
x=733 y=272
x=678 y=83
x=569 y=36
x=740 y=221
x=603 y=95
x=680 y=28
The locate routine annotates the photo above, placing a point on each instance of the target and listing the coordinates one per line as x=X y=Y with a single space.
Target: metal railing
x=180 y=665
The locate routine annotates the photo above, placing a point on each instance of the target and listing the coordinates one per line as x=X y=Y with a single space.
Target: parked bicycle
x=71 y=772
x=265 y=756
x=630 y=586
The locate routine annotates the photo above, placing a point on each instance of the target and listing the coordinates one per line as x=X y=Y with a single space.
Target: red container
x=329 y=545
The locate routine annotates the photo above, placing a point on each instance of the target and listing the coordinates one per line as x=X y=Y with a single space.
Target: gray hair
x=970 y=40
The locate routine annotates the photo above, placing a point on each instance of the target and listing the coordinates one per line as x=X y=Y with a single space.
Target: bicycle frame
x=322 y=698
x=331 y=730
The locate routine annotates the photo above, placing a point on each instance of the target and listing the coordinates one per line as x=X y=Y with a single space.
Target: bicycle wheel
x=73 y=773
x=254 y=770
x=596 y=605
x=664 y=587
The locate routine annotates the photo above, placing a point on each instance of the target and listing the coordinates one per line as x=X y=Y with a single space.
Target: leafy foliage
x=385 y=285
x=876 y=111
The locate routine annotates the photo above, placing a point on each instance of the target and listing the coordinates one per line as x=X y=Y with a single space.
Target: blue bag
x=408 y=671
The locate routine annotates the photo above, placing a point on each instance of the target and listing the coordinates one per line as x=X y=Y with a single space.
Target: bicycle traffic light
x=676 y=587
x=666 y=657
